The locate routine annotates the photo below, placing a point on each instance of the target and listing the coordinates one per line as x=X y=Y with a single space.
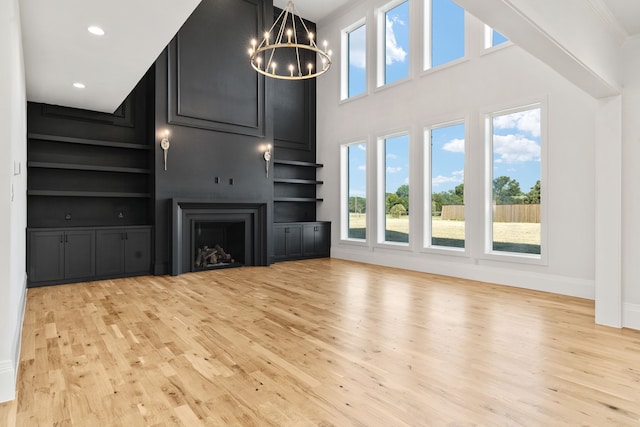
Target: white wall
x=630 y=181
x=505 y=77
x=13 y=184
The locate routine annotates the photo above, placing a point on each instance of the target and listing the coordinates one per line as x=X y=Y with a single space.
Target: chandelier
x=300 y=57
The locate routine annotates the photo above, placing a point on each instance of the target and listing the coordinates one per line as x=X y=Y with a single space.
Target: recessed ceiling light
x=96 y=30
x=79 y=85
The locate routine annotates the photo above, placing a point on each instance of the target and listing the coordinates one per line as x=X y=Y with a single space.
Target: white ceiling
x=627 y=13
x=313 y=10
x=59 y=51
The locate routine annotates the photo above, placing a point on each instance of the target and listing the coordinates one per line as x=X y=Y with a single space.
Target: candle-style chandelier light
x=299 y=57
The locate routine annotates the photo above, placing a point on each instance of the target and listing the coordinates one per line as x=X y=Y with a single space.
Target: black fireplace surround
x=250 y=218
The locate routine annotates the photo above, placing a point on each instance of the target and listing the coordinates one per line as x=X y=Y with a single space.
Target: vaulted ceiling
x=59 y=51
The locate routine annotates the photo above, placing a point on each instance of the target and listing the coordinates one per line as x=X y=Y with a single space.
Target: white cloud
x=394 y=53
x=457 y=177
x=524 y=121
x=392 y=156
x=454 y=146
x=515 y=149
x=362 y=147
x=394 y=170
x=362 y=168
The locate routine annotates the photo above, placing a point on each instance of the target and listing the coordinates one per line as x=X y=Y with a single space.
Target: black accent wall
x=220 y=115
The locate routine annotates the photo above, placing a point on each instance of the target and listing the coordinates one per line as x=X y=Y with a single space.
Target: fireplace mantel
x=183 y=211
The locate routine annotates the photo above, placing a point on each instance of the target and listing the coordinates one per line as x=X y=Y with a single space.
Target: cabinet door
x=279 y=242
x=316 y=239
x=46 y=256
x=322 y=239
x=293 y=235
x=109 y=252
x=79 y=254
x=309 y=239
x=137 y=250
x=287 y=241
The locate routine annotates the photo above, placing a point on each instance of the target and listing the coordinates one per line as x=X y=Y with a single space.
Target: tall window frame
x=347 y=60
x=348 y=231
x=431 y=25
x=457 y=143
x=381 y=45
x=490 y=249
x=392 y=234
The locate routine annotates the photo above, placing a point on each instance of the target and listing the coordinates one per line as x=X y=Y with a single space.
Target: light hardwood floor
x=319 y=342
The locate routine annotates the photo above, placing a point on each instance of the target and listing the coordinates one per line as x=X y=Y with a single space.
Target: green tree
x=397 y=210
x=357 y=204
x=392 y=199
x=533 y=196
x=403 y=191
x=506 y=191
x=451 y=197
x=459 y=192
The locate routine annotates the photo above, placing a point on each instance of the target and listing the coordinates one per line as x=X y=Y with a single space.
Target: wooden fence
x=501 y=213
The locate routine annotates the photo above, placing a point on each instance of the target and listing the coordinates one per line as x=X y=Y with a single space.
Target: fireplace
x=208 y=235
x=218 y=244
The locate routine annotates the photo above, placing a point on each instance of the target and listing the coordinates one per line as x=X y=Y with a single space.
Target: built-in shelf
x=80 y=167
x=297 y=199
x=297 y=181
x=298 y=163
x=295 y=190
x=84 y=141
x=86 y=194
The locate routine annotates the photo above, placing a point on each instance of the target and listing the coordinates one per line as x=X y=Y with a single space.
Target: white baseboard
x=9 y=368
x=7 y=380
x=631 y=316
x=571 y=286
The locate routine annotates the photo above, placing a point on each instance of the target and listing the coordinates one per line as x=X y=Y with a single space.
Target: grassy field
x=504 y=232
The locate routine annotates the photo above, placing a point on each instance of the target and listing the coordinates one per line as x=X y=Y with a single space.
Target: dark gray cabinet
x=58 y=255
x=287 y=243
x=123 y=251
x=316 y=238
x=81 y=254
x=298 y=240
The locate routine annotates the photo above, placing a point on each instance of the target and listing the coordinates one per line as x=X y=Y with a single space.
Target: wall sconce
x=267 y=158
x=165 y=144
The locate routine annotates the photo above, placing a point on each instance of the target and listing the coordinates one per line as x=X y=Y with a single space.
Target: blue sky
x=447 y=157
x=516 y=147
x=516 y=139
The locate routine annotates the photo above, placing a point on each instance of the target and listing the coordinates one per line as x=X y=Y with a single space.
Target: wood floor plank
x=318 y=343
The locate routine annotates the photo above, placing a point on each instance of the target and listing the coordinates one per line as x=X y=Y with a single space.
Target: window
x=492 y=37
x=394 y=43
x=515 y=140
x=354 y=42
x=354 y=172
x=445 y=159
x=445 y=39
x=394 y=201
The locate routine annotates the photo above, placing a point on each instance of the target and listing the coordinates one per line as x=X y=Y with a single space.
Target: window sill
x=513 y=257
x=497 y=48
x=446 y=66
x=353 y=98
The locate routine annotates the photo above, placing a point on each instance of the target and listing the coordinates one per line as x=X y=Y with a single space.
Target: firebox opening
x=217 y=244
